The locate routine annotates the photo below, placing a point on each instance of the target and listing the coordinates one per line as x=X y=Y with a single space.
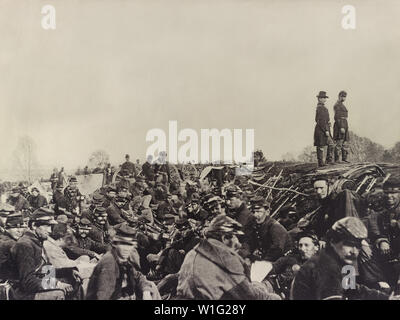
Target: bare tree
x=308 y=154
x=25 y=161
x=98 y=159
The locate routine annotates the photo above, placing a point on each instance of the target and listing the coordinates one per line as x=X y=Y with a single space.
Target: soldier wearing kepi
x=73 y=196
x=341 y=128
x=265 y=239
x=85 y=245
x=385 y=229
x=17 y=200
x=237 y=207
x=14 y=229
x=322 y=133
x=29 y=259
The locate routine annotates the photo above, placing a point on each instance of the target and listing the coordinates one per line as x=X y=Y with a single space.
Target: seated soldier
x=36 y=200
x=266 y=239
x=17 y=200
x=83 y=245
x=111 y=193
x=285 y=268
x=100 y=231
x=115 y=277
x=118 y=211
x=170 y=259
x=384 y=228
x=14 y=229
x=213 y=269
x=32 y=265
x=59 y=200
x=237 y=207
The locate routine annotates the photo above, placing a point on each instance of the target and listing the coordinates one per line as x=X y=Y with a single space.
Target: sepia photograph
x=202 y=150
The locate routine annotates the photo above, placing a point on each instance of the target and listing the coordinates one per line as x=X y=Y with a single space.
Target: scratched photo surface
x=297 y=90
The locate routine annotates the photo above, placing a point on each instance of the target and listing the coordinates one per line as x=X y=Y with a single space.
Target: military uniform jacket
x=71 y=196
x=380 y=228
x=7 y=267
x=100 y=234
x=29 y=259
x=37 y=202
x=270 y=238
x=148 y=171
x=242 y=215
x=341 y=115
x=114 y=215
x=322 y=125
x=19 y=203
x=85 y=246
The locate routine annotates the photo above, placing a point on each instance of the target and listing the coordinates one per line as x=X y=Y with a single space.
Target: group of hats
x=322 y=94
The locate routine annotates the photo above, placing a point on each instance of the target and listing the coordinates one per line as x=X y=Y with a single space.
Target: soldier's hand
x=366 y=248
x=67 y=288
x=393 y=223
x=342 y=130
x=327 y=133
x=77 y=276
x=322 y=244
x=385 y=248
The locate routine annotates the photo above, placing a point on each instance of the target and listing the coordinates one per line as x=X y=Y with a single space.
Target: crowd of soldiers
x=144 y=236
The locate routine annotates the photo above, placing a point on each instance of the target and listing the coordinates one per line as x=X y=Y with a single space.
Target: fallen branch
x=280 y=189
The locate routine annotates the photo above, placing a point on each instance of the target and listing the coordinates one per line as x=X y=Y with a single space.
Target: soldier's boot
x=320 y=156
x=338 y=150
x=344 y=156
x=329 y=154
x=345 y=152
x=337 y=155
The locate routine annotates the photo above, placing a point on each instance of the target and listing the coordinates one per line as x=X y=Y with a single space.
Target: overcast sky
x=112 y=70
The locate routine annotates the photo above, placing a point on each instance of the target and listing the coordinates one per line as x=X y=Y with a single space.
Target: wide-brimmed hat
x=322 y=94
